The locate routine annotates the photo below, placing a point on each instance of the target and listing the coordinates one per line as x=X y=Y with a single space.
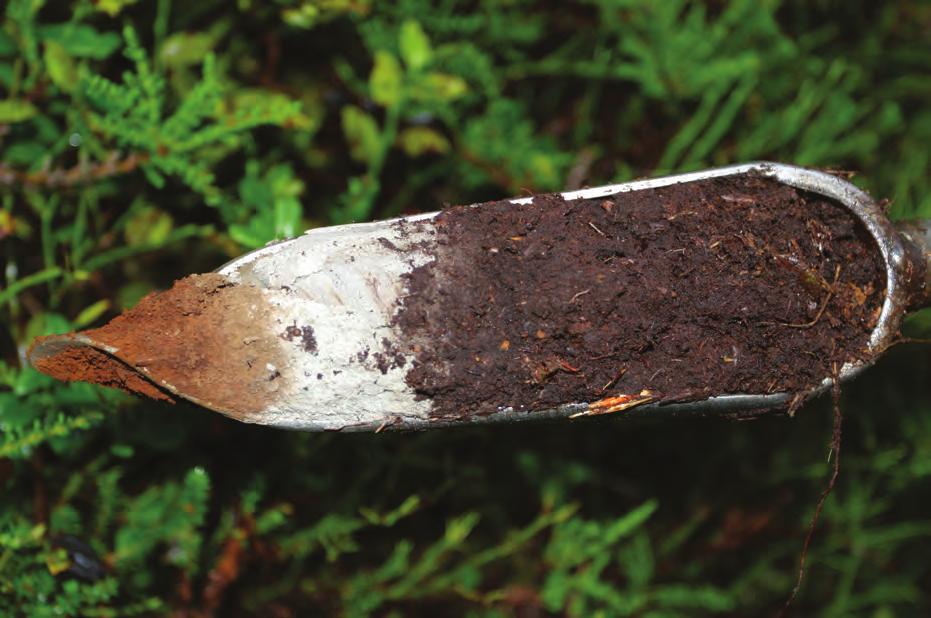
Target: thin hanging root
x=824 y=303
x=901 y=341
x=609 y=405
x=832 y=480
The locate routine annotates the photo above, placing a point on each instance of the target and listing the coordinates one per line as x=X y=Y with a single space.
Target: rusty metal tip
x=78 y=357
x=49 y=346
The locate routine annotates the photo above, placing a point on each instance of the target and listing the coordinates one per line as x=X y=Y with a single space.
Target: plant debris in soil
x=732 y=285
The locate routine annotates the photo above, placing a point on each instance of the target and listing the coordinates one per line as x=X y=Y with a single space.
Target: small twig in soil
x=567 y=367
x=614 y=379
x=739 y=200
x=578 y=294
x=824 y=304
x=687 y=272
x=609 y=405
x=809 y=277
x=832 y=480
x=550 y=366
x=594 y=227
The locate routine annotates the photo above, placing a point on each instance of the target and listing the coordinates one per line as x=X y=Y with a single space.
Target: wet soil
x=201 y=337
x=740 y=285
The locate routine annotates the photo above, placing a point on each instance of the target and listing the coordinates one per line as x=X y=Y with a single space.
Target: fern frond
x=199 y=104
x=19 y=442
x=149 y=84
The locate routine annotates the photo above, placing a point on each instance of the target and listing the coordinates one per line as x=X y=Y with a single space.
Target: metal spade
x=337 y=288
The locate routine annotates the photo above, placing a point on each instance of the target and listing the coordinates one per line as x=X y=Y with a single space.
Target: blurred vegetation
x=142 y=141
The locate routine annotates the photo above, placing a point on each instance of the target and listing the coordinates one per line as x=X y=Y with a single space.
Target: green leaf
x=309 y=13
x=357 y=199
x=113 y=7
x=304 y=16
x=123 y=451
x=47 y=323
x=148 y=226
x=56 y=561
x=131 y=293
x=274 y=200
x=361 y=132
x=90 y=313
x=6 y=75
x=25 y=153
x=13 y=289
x=458 y=528
x=385 y=80
x=60 y=66
x=254 y=191
x=184 y=49
x=410 y=504
x=415 y=46
x=65 y=519
x=81 y=40
x=416 y=141
x=16 y=110
x=29 y=381
x=245 y=99
x=694 y=597
x=7 y=45
x=440 y=87
x=632 y=520
x=288 y=210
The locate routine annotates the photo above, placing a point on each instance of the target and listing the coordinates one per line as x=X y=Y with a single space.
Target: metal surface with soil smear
x=730 y=290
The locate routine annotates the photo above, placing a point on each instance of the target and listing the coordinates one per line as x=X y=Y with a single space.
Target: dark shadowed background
x=142 y=141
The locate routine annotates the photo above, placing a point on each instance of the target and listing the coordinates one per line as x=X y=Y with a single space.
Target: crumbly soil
x=736 y=285
x=190 y=337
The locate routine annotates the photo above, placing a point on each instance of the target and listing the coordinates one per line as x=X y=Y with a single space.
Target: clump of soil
x=734 y=285
x=203 y=337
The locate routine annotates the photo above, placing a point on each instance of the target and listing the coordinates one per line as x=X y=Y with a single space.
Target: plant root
x=828 y=488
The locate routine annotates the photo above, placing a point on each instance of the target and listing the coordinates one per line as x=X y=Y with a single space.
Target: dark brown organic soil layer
x=740 y=285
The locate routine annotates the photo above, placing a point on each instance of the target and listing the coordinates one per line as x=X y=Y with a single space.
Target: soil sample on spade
x=733 y=285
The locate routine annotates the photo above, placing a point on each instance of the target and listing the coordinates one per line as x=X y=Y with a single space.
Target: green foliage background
x=142 y=141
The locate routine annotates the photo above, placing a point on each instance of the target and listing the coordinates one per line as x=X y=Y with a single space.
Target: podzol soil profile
x=732 y=290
